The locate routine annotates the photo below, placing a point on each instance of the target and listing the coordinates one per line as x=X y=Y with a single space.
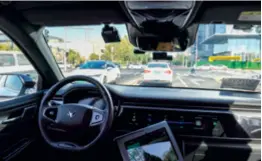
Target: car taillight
x=168 y=71
x=147 y=71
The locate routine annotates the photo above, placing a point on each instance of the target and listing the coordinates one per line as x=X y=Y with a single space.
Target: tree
x=4 y=46
x=82 y=60
x=73 y=57
x=9 y=46
x=123 y=52
x=93 y=56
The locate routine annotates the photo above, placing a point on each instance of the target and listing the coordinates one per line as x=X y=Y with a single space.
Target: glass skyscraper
x=222 y=39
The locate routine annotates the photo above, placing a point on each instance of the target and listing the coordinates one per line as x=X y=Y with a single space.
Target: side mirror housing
x=13 y=85
x=27 y=81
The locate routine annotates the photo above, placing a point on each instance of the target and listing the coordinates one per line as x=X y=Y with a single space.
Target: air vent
x=176 y=104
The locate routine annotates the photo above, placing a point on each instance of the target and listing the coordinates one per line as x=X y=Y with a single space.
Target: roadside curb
x=218 y=79
x=199 y=76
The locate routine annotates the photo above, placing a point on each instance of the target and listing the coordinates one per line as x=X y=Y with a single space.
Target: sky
x=81 y=33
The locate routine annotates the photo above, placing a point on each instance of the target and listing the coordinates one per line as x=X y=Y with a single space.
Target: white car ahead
x=103 y=71
x=158 y=72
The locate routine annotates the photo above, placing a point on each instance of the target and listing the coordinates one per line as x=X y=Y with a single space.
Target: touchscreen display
x=155 y=146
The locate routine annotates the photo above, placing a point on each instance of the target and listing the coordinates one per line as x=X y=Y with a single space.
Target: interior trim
x=230 y=112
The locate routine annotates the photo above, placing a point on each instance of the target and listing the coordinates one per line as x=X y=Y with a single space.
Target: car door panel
x=18 y=126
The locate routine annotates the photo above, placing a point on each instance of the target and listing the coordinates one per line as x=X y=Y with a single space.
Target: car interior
x=64 y=120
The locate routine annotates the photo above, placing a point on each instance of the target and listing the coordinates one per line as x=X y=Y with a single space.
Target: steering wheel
x=75 y=115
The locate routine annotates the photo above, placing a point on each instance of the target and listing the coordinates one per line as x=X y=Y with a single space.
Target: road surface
x=183 y=78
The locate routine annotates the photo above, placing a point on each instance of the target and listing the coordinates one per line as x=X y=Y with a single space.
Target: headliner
x=97 y=12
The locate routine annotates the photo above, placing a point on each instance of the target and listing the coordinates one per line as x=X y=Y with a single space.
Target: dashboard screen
x=153 y=146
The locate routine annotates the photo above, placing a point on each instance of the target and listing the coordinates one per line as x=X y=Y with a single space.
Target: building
x=221 y=39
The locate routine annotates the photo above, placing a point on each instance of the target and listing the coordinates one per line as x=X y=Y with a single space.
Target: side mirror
x=13 y=85
x=27 y=81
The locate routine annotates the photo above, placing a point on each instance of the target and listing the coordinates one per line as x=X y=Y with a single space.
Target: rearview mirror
x=110 y=34
x=138 y=51
x=155 y=43
x=13 y=85
x=169 y=57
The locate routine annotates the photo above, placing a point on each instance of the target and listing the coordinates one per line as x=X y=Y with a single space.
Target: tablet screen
x=155 y=146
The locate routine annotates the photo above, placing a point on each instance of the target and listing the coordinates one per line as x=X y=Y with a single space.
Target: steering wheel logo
x=71 y=114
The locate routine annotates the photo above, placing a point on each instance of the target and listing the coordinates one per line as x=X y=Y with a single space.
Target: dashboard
x=198 y=118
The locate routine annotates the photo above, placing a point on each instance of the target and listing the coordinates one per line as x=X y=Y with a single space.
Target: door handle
x=11 y=120
x=26 y=114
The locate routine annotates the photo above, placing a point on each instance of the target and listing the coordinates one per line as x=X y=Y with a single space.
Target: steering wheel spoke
x=50 y=114
x=98 y=117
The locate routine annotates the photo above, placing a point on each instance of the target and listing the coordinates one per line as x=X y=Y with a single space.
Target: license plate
x=156 y=72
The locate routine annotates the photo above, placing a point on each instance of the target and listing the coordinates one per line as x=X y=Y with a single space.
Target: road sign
x=256 y=60
x=212 y=58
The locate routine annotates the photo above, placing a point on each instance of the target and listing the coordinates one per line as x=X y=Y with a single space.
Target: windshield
x=221 y=58
x=93 y=65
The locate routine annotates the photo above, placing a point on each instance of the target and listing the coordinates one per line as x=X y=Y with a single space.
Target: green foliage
x=93 y=56
x=4 y=47
x=123 y=53
x=73 y=57
x=181 y=60
x=82 y=60
x=8 y=47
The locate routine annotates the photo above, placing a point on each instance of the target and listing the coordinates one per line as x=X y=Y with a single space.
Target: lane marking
x=132 y=82
x=195 y=82
x=178 y=77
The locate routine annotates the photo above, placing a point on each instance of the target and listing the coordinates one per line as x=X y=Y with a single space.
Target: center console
x=206 y=123
x=201 y=134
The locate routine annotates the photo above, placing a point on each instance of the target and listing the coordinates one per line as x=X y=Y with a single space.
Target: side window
x=22 y=60
x=7 y=59
x=17 y=75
